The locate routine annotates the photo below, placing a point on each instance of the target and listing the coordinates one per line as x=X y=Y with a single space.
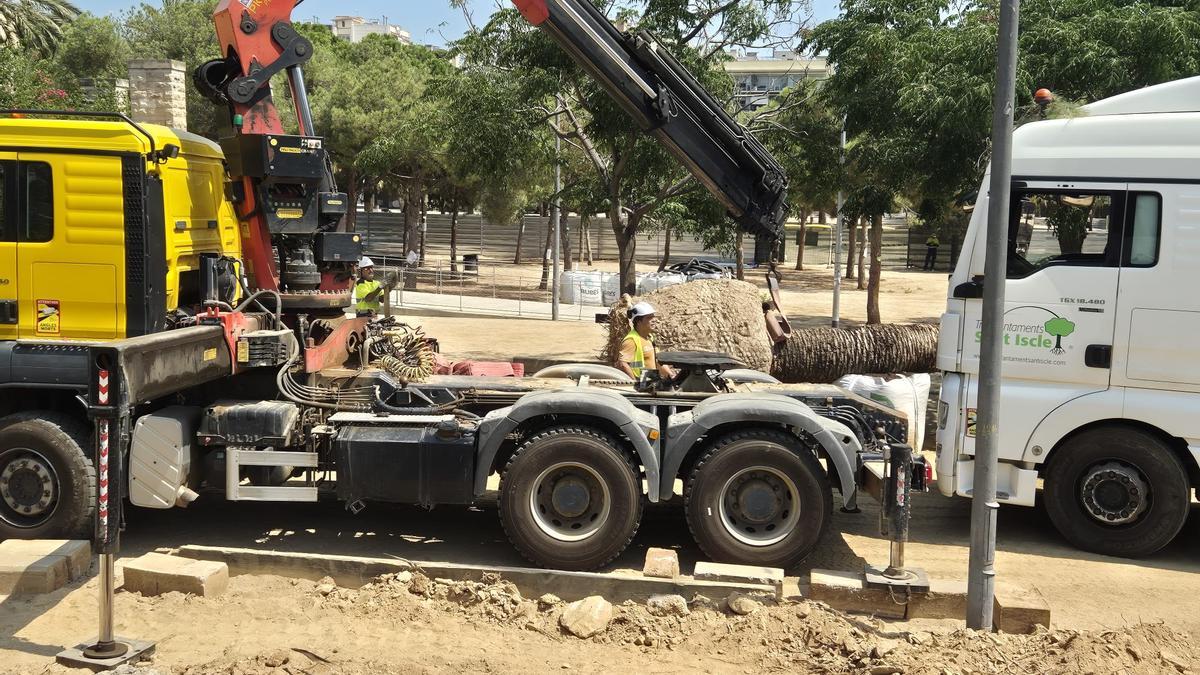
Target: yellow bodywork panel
x=68 y=272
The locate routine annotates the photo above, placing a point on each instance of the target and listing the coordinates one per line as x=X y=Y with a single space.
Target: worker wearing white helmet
x=637 y=349
x=367 y=292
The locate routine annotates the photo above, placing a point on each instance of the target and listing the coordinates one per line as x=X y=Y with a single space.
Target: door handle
x=8 y=311
x=970 y=289
x=1098 y=356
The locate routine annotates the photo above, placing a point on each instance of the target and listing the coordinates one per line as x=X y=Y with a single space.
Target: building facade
x=758 y=78
x=355 y=28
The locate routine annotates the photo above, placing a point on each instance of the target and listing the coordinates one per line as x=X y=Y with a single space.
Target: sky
x=429 y=21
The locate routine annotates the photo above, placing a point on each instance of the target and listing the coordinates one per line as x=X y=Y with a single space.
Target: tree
x=25 y=82
x=93 y=48
x=181 y=30
x=634 y=173
x=803 y=131
x=35 y=26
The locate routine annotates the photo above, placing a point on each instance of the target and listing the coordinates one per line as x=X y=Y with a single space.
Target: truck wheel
x=570 y=498
x=758 y=497
x=47 y=482
x=1117 y=491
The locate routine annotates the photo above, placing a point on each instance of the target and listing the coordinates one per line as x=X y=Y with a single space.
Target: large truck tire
x=570 y=498
x=758 y=497
x=1117 y=491
x=47 y=482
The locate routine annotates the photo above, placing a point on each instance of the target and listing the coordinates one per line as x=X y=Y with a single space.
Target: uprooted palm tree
x=34 y=25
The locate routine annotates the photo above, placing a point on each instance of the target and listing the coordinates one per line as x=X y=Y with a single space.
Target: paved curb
x=354 y=571
x=31 y=566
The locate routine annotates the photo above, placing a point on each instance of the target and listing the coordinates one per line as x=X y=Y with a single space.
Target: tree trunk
x=850 y=249
x=862 y=254
x=825 y=354
x=564 y=225
x=666 y=257
x=585 y=239
x=741 y=264
x=800 y=241
x=876 y=268
x=626 y=254
x=352 y=198
x=821 y=216
x=412 y=219
x=454 y=237
x=520 y=235
x=424 y=225
x=545 y=282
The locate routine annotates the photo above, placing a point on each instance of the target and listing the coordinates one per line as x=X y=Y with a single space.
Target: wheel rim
x=1114 y=493
x=28 y=488
x=760 y=506
x=569 y=501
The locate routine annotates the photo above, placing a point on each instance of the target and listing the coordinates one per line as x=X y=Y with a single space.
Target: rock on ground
x=587 y=617
x=667 y=605
x=742 y=604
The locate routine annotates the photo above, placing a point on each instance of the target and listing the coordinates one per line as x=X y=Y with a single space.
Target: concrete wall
x=158 y=92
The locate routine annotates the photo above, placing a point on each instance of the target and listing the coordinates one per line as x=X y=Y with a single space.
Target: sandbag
x=908 y=394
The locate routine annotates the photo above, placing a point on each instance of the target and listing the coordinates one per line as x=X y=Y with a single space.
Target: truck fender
x=684 y=431
x=1070 y=416
x=584 y=401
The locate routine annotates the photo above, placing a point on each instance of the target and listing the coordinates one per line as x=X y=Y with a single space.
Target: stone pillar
x=158 y=92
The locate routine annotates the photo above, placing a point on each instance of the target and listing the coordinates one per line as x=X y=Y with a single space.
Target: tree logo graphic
x=1060 y=328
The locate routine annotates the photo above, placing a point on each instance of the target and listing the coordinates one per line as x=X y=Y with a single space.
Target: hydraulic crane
x=294 y=235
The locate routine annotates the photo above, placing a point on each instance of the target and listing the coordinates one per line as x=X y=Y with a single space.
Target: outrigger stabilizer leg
x=112 y=431
x=895 y=513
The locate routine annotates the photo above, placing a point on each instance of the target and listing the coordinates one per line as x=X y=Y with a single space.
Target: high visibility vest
x=932 y=241
x=361 y=290
x=638 y=364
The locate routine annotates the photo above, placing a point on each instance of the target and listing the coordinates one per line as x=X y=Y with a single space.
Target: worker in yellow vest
x=367 y=292
x=637 y=349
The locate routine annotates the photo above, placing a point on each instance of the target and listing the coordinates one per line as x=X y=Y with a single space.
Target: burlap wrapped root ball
x=712 y=315
x=825 y=354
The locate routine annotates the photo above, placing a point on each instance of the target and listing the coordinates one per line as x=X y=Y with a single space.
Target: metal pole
x=837 y=238
x=554 y=215
x=981 y=579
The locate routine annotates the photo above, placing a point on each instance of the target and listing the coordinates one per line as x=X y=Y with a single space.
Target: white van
x=1101 y=375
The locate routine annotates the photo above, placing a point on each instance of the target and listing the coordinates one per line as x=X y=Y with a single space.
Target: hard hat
x=641 y=309
x=366 y=262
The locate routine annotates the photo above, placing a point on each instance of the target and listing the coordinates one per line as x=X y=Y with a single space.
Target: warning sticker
x=49 y=317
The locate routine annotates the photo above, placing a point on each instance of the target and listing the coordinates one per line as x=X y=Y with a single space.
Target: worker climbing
x=367 y=292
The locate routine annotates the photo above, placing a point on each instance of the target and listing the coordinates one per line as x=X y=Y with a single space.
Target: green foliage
x=917 y=77
x=1068 y=222
x=34 y=26
x=181 y=30
x=92 y=47
x=25 y=82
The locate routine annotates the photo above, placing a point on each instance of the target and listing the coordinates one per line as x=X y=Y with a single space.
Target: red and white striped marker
x=102 y=388
x=103 y=503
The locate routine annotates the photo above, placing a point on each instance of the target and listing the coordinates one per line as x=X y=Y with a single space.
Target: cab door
x=8 y=247
x=70 y=246
x=1064 y=260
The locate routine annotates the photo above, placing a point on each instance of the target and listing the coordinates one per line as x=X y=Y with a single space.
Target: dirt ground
x=905 y=297
x=411 y=624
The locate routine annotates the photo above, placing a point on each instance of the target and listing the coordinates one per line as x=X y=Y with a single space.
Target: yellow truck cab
x=102 y=228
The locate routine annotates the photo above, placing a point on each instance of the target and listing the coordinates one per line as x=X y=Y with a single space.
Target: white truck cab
x=1101 y=375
